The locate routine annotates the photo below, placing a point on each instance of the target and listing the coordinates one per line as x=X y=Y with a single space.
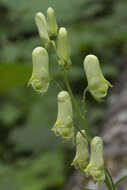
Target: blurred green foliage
x=32 y=158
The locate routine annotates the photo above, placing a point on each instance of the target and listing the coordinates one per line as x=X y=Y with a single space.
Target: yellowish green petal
x=82 y=153
x=52 y=24
x=40 y=75
x=64 y=123
x=41 y=23
x=95 y=167
x=63 y=49
x=97 y=84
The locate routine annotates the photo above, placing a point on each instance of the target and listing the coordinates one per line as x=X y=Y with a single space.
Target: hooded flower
x=64 y=123
x=41 y=23
x=63 y=49
x=82 y=153
x=97 y=84
x=95 y=167
x=52 y=24
x=40 y=76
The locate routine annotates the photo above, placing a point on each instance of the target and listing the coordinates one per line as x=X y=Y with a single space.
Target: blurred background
x=31 y=156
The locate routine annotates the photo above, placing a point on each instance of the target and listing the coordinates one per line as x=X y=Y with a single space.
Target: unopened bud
x=64 y=123
x=63 y=49
x=97 y=84
x=95 y=167
x=82 y=153
x=41 y=23
x=40 y=76
x=52 y=24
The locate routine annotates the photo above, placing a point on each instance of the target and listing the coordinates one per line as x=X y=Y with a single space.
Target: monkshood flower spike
x=40 y=78
x=89 y=151
x=63 y=49
x=97 y=84
x=64 y=123
x=52 y=24
x=42 y=27
x=95 y=167
x=82 y=153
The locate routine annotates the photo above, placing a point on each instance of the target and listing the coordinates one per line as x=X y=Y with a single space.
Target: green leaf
x=12 y=75
x=120 y=180
x=9 y=114
x=39 y=173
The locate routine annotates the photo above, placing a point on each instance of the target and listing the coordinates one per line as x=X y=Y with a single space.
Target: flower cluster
x=49 y=34
x=92 y=162
x=88 y=160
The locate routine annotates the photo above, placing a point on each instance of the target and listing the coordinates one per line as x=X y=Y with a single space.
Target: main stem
x=76 y=106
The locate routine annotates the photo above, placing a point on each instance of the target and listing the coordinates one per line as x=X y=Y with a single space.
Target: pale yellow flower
x=51 y=22
x=42 y=27
x=64 y=123
x=97 y=84
x=95 y=167
x=63 y=49
x=40 y=75
x=82 y=153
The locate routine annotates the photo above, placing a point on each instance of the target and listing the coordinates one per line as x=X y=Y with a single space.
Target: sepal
x=95 y=167
x=41 y=24
x=82 y=153
x=40 y=78
x=52 y=24
x=97 y=84
x=63 y=49
x=64 y=123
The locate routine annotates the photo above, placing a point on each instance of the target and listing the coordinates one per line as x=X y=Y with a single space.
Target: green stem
x=76 y=106
x=80 y=131
x=112 y=183
x=84 y=97
x=107 y=182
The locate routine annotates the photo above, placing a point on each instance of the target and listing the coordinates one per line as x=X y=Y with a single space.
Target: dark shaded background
x=31 y=157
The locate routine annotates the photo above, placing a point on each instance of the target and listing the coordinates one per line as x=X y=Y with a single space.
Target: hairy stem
x=84 y=98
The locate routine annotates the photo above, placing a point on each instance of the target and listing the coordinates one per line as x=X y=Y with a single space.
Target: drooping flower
x=97 y=84
x=63 y=49
x=82 y=153
x=41 y=23
x=95 y=167
x=40 y=78
x=52 y=24
x=64 y=123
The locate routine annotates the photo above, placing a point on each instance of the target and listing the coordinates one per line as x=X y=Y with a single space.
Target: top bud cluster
x=52 y=36
x=49 y=34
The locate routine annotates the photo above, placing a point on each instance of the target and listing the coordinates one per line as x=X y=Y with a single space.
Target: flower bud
x=95 y=167
x=82 y=153
x=63 y=49
x=41 y=23
x=40 y=76
x=64 y=123
x=52 y=25
x=97 y=84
